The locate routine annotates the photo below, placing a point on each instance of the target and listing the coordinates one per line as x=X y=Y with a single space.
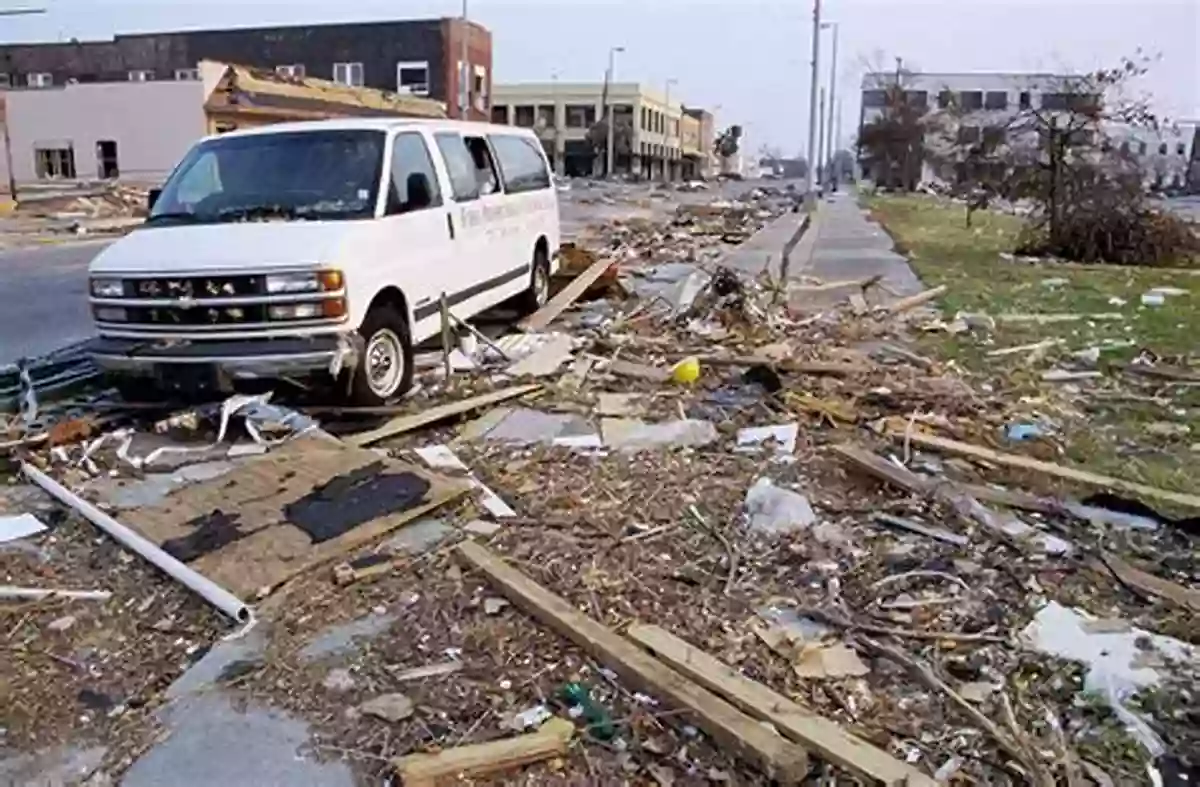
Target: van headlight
x=108 y=288
x=316 y=281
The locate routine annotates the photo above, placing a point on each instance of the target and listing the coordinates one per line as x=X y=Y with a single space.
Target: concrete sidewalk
x=848 y=245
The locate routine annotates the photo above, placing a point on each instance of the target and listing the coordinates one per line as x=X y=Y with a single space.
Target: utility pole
x=464 y=91
x=821 y=143
x=810 y=196
x=831 y=140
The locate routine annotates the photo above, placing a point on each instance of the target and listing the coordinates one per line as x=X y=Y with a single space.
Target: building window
x=524 y=116
x=291 y=71
x=874 y=99
x=1141 y=148
x=1162 y=149
x=581 y=115
x=187 y=74
x=141 y=76
x=500 y=114
x=40 y=80
x=54 y=162
x=971 y=100
x=545 y=117
x=480 y=86
x=348 y=74
x=1181 y=149
x=412 y=77
x=917 y=98
x=968 y=135
x=5 y=80
x=1078 y=102
x=996 y=99
x=945 y=99
x=1125 y=148
x=106 y=159
x=1025 y=101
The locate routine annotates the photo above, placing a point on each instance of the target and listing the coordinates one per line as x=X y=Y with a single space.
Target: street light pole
x=810 y=196
x=609 y=80
x=821 y=167
x=464 y=89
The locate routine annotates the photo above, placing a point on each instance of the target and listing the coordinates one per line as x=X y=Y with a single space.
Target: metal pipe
x=37 y=594
x=811 y=196
x=210 y=591
x=610 y=79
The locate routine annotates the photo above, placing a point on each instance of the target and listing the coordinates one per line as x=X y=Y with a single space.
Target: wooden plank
x=818 y=734
x=638 y=371
x=913 y=301
x=407 y=423
x=730 y=728
x=1149 y=584
x=566 y=296
x=484 y=759
x=1048 y=468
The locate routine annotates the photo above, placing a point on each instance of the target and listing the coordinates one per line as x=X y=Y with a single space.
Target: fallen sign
x=567 y=296
x=729 y=727
x=1048 y=468
x=824 y=737
x=484 y=759
x=407 y=423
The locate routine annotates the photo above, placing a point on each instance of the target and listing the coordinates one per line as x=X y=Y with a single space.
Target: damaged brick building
x=419 y=57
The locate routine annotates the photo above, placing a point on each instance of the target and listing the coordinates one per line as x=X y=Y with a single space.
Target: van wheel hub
x=385 y=362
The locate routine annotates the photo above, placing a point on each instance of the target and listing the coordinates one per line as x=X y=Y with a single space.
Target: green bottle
x=599 y=723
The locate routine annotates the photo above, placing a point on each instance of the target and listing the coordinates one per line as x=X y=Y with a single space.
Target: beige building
x=654 y=137
x=137 y=131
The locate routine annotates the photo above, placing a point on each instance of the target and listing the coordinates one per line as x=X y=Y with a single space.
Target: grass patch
x=1113 y=435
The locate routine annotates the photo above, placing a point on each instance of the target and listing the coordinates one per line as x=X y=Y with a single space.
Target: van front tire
x=538 y=293
x=385 y=370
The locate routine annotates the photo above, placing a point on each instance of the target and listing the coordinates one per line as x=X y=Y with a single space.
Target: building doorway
x=106 y=159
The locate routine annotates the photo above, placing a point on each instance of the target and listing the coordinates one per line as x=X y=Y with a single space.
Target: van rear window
x=522 y=163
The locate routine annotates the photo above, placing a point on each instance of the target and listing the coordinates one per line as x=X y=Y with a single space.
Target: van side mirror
x=152 y=197
x=420 y=192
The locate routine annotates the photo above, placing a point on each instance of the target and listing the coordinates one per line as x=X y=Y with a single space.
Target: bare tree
x=892 y=144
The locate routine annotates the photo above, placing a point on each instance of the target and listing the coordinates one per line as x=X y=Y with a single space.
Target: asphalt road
x=45 y=298
x=45 y=288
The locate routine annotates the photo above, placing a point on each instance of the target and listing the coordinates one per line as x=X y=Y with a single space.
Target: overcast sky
x=750 y=58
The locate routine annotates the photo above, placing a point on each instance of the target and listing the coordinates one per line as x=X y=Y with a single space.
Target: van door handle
x=450 y=225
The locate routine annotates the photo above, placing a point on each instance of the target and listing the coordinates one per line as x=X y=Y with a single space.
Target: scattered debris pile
x=688 y=533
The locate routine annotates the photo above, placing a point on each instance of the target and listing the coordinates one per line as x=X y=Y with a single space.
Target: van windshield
x=291 y=175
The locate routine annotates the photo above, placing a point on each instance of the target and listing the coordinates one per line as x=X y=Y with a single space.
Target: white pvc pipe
x=214 y=594
x=37 y=594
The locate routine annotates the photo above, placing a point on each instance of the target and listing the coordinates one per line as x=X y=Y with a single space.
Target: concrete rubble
x=771 y=471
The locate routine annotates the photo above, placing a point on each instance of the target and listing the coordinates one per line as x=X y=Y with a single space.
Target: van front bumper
x=243 y=359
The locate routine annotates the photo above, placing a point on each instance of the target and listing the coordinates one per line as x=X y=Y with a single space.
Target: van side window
x=521 y=162
x=414 y=180
x=485 y=168
x=460 y=165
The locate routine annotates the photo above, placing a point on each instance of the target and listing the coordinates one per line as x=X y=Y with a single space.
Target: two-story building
x=415 y=57
x=654 y=137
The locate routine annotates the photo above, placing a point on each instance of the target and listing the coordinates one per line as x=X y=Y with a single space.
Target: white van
x=303 y=250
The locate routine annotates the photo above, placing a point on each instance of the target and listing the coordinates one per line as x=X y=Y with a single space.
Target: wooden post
x=447 y=339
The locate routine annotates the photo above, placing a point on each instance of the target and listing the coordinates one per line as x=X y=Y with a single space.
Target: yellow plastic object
x=686 y=371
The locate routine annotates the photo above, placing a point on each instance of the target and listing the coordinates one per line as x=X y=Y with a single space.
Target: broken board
x=431 y=415
x=1018 y=462
x=567 y=296
x=733 y=730
x=818 y=734
x=481 y=760
x=304 y=504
